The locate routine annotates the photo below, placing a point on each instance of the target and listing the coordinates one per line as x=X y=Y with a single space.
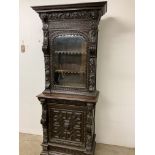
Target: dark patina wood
x=68 y=112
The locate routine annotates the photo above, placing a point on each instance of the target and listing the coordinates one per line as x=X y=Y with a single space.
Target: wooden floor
x=30 y=145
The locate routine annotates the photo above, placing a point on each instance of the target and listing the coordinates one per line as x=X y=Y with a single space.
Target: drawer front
x=66 y=125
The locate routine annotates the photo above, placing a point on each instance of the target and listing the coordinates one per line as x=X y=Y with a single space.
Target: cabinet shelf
x=69 y=71
x=70 y=52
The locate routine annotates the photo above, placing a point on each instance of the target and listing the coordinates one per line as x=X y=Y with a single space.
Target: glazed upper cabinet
x=70 y=46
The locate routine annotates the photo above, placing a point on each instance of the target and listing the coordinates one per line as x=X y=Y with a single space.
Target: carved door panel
x=66 y=125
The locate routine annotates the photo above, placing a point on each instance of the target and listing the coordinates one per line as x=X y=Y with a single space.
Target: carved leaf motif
x=92 y=77
x=73 y=15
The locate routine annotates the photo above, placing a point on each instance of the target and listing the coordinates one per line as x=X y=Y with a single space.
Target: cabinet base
x=68 y=125
x=65 y=151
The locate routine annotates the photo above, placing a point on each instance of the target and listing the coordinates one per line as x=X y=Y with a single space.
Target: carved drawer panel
x=66 y=126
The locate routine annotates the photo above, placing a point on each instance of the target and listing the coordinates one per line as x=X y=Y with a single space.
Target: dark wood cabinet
x=70 y=95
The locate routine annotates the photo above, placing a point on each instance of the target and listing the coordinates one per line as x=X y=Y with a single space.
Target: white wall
x=115 y=72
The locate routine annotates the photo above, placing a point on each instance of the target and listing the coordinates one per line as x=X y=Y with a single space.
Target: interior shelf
x=73 y=85
x=70 y=52
x=69 y=71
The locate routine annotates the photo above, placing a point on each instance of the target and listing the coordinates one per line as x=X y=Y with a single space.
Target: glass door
x=70 y=54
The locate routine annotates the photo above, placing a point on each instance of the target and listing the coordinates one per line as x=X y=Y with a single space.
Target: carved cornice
x=69 y=7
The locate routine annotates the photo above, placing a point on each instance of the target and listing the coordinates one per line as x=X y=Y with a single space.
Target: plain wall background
x=115 y=71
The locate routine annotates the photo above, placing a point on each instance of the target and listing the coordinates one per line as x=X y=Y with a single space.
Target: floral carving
x=92 y=72
x=74 y=15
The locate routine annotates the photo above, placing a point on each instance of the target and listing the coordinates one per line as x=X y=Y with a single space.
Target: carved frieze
x=67 y=24
x=89 y=14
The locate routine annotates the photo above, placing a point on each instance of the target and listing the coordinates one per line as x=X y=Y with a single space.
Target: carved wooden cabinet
x=70 y=95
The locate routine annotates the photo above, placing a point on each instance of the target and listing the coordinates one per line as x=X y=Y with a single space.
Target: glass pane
x=70 y=61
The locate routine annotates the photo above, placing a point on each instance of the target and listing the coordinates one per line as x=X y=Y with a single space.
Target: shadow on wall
x=114 y=26
x=114 y=43
x=114 y=69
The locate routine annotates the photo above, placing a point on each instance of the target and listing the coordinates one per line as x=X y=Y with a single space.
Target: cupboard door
x=66 y=125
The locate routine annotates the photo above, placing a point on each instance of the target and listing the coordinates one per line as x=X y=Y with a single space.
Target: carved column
x=93 y=36
x=92 y=59
x=90 y=127
x=45 y=128
x=92 y=75
x=45 y=49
